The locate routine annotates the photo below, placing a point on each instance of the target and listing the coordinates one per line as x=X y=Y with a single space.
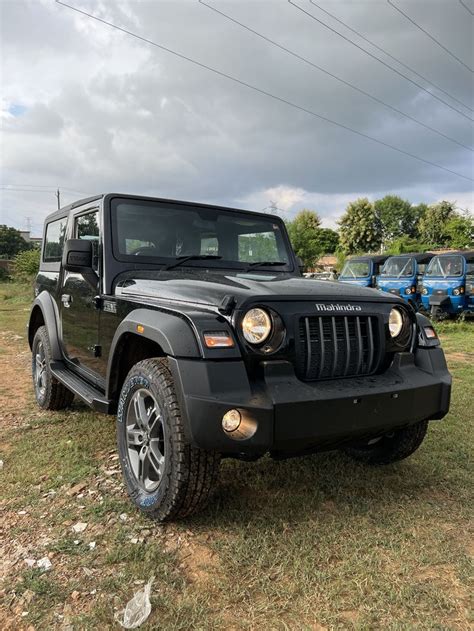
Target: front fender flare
x=172 y=332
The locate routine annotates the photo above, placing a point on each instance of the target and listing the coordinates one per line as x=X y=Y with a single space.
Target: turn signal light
x=218 y=339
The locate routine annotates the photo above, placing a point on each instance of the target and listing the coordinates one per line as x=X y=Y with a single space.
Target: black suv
x=193 y=324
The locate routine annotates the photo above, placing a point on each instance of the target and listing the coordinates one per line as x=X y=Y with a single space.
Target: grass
x=311 y=543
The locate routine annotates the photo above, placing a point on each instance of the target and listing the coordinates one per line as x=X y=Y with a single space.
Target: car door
x=79 y=312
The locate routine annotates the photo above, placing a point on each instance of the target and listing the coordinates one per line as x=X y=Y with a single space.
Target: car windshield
x=445 y=266
x=161 y=232
x=397 y=267
x=355 y=269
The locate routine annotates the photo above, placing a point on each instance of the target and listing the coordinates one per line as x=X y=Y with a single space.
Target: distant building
x=327 y=262
x=26 y=234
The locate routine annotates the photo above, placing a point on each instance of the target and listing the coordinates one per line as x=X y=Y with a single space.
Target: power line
x=372 y=43
x=384 y=63
x=466 y=7
x=330 y=74
x=429 y=35
x=264 y=92
x=39 y=189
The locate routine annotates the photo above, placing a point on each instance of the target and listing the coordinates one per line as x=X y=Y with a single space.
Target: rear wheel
x=165 y=477
x=50 y=393
x=392 y=447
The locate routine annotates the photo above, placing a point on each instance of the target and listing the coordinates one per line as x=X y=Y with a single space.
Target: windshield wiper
x=192 y=257
x=259 y=263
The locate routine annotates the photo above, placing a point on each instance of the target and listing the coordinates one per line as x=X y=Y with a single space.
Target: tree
x=11 y=242
x=304 y=235
x=397 y=218
x=433 y=223
x=360 y=228
x=403 y=245
x=460 y=231
x=328 y=240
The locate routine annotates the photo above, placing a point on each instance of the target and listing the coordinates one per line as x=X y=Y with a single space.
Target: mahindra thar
x=192 y=323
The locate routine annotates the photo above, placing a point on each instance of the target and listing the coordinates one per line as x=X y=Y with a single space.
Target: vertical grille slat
x=371 y=344
x=308 y=343
x=337 y=346
x=334 y=338
x=359 y=345
x=321 y=339
x=348 y=345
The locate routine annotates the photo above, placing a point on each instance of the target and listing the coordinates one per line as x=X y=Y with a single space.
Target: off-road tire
x=189 y=473
x=53 y=396
x=393 y=447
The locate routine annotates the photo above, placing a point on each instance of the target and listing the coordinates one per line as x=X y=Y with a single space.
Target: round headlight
x=256 y=326
x=424 y=291
x=395 y=322
x=408 y=290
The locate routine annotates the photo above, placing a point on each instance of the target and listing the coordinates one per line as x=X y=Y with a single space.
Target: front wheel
x=392 y=447
x=50 y=393
x=165 y=477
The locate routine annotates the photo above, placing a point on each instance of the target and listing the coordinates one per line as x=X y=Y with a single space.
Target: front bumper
x=293 y=416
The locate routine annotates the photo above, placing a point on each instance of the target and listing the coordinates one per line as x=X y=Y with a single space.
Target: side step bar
x=85 y=391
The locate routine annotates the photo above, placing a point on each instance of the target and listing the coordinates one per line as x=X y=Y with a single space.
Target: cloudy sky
x=91 y=109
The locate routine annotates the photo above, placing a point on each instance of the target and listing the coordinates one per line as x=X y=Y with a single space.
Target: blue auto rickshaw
x=362 y=270
x=448 y=284
x=401 y=275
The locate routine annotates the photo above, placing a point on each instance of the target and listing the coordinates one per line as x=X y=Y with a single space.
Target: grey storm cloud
x=89 y=108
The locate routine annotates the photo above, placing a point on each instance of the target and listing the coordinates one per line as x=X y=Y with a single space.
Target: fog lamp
x=231 y=420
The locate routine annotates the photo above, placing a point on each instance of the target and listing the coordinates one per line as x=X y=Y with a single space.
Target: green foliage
x=304 y=235
x=433 y=223
x=403 y=245
x=397 y=217
x=460 y=231
x=26 y=265
x=360 y=228
x=4 y=276
x=328 y=240
x=11 y=242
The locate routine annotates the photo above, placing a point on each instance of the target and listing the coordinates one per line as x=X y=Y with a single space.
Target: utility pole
x=58 y=196
x=28 y=223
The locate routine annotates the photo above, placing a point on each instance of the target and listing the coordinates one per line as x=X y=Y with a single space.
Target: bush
x=26 y=265
x=4 y=276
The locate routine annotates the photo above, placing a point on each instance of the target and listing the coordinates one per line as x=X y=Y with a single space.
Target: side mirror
x=78 y=257
x=301 y=265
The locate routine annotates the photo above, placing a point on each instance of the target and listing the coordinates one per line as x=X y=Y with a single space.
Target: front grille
x=329 y=347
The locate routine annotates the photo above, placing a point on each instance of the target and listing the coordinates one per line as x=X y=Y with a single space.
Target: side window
x=87 y=227
x=54 y=240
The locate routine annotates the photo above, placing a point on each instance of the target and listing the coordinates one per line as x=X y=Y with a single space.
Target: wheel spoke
x=155 y=457
x=140 y=410
x=143 y=463
x=154 y=418
x=134 y=437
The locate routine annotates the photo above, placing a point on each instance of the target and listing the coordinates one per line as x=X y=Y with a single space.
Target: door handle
x=66 y=300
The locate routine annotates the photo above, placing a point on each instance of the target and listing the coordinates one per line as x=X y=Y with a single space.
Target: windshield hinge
x=227 y=305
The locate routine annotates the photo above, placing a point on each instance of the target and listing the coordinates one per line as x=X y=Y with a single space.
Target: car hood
x=208 y=287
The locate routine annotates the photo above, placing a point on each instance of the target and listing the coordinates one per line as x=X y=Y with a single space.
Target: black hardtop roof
x=420 y=257
x=86 y=200
x=376 y=258
x=467 y=254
